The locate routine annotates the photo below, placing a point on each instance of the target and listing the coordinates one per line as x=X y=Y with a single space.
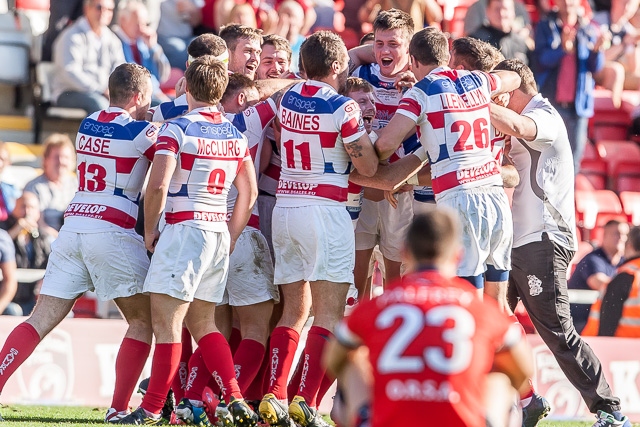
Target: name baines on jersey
x=114 y=152
x=451 y=109
x=431 y=344
x=209 y=151
x=316 y=122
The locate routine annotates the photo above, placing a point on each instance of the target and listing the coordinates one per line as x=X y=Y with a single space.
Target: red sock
x=234 y=340
x=248 y=359
x=130 y=361
x=166 y=358
x=312 y=370
x=180 y=380
x=294 y=382
x=217 y=355
x=199 y=376
x=284 y=342
x=17 y=348
x=256 y=391
x=325 y=385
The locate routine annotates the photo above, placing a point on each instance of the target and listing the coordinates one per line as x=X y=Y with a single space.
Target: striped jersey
x=315 y=123
x=253 y=123
x=451 y=109
x=209 y=151
x=269 y=178
x=387 y=98
x=171 y=109
x=113 y=155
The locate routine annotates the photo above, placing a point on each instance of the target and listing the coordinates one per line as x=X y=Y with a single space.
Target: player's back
x=451 y=108
x=209 y=152
x=170 y=109
x=315 y=123
x=113 y=155
x=431 y=343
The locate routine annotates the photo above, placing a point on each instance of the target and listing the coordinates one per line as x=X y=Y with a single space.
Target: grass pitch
x=67 y=416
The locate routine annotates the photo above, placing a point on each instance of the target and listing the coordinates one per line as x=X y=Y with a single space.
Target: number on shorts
x=457 y=338
x=95 y=182
x=480 y=129
x=216 y=181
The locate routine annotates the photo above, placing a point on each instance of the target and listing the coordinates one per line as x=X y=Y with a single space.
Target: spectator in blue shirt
x=597 y=268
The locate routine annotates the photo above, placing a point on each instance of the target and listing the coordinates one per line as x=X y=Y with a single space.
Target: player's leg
x=254 y=326
x=500 y=225
x=134 y=349
x=539 y=272
x=366 y=237
x=393 y=227
x=361 y=273
x=224 y=318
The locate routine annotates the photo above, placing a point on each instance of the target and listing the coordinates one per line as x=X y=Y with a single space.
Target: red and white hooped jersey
x=113 y=155
x=170 y=109
x=316 y=122
x=451 y=109
x=209 y=151
x=431 y=343
x=253 y=123
x=268 y=182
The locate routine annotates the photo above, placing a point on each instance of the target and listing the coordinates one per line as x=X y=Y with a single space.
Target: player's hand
x=405 y=80
x=392 y=198
x=501 y=99
x=232 y=246
x=149 y=37
x=151 y=239
x=181 y=86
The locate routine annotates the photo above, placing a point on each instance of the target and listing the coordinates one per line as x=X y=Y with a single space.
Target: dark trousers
x=539 y=278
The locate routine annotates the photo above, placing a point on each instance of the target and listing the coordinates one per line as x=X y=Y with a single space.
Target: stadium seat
x=595 y=170
x=594 y=209
x=631 y=205
x=615 y=152
x=86 y=307
x=583 y=183
x=590 y=152
x=609 y=122
x=42 y=101
x=627 y=177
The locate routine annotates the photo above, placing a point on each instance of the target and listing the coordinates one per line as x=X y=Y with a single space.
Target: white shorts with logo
x=487 y=228
x=250 y=271
x=313 y=243
x=381 y=224
x=265 y=211
x=189 y=263
x=113 y=264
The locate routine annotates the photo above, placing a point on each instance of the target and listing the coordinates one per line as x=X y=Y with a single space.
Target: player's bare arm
x=268 y=87
x=360 y=55
x=156 y=197
x=509 y=81
x=388 y=176
x=247 y=185
x=265 y=154
x=392 y=135
x=335 y=357
x=363 y=155
x=511 y=123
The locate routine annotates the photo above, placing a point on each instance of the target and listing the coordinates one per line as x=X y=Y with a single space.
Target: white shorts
x=250 y=271
x=113 y=264
x=423 y=207
x=381 y=224
x=313 y=243
x=265 y=211
x=487 y=228
x=189 y=263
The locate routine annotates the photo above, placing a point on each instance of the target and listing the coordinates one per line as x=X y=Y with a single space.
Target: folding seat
x=631 y=205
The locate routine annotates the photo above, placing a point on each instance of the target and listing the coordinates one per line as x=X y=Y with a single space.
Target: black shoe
x=243 y=415
x=140 y=418
x=169 y=403
x=536 y=410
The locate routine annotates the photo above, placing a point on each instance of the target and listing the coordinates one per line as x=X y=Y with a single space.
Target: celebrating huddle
x=250 y=215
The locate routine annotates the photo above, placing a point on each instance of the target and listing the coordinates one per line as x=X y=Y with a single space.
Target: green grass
x=63 y=416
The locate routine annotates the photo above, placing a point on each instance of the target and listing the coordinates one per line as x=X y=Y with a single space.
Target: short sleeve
x=168 y=140
x=146 y=141
x=7 y=249
x=493 y=80
x=546 y=131
x=350 y=121
x=413 y=104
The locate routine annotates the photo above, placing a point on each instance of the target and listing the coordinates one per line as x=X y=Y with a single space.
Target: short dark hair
x=237 y=82
x=279 y=43
x=127 y=80
x=207 y=79
x=319 y=51
x=634 y=238
x=394 y=19
x=233 y=32
x=369 y=37
x=432 y=235
x=206 y=44
x=430 y=46
x=613 y=222
x=475 y=54
x=528 y=82
x=356 y=84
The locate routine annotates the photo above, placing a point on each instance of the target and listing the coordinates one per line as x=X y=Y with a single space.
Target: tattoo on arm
x=354 y=149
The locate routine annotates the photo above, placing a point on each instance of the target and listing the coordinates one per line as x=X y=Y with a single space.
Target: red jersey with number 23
x=316 y=122
x=451 y=109
x=431 y=343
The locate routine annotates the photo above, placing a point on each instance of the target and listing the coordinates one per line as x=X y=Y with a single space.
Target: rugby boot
x=305 y=415
x=535 y=411
x=243 y=415
x=605 y=419
x=191 y=414
x=139 y=417
x=274 y=412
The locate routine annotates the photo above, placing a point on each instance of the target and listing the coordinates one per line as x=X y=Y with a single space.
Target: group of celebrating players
x=257 y=183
